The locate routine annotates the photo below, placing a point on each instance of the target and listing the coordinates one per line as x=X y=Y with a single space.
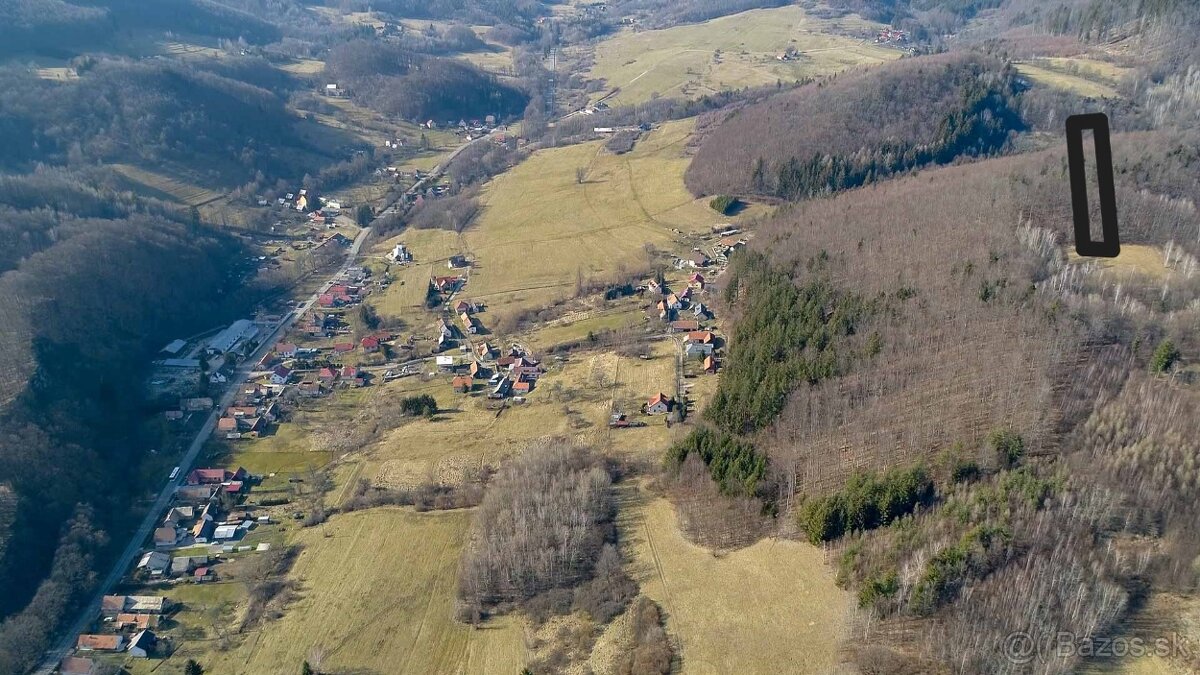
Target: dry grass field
x=168 y=187
x=684 y=60
x=405 y=297
x=573 y=399
x=769 y=608
x=1135 y=260
x=540 y=230
x=1084 y=76
x=1165 y=616
x=377 y=595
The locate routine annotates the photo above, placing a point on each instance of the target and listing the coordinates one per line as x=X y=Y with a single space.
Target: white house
x=142 y=644
x=281 y=375
x=659 y=404
x=155 y=562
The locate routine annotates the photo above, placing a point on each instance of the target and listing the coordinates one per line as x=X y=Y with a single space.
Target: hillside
x=62 y=28
x=994 y=376
x=859 y=127
x=395 y=80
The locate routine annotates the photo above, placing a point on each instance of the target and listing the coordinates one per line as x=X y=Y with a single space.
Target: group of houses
x=129 y=622
x=512 y=373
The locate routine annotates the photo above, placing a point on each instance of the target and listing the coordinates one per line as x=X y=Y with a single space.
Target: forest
x=860 y=127
x=66 y=28
x=996 y=432
x=152 y=112
x=73 y=412
x=396 y=80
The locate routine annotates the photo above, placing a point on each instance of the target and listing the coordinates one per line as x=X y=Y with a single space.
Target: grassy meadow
x=748 y=611
x=376 y=596
x=731 y=52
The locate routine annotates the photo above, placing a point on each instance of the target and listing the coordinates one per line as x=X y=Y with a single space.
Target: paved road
x=89 y=613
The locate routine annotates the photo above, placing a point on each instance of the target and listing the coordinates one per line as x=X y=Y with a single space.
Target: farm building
x=174 y=347
x=238 y=332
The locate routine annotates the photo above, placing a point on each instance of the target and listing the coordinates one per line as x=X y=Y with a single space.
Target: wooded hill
x=94 y=284
x=65 y=28
x=859 y=127
x=395 y=80
x=149 y=112
x=1002 y=418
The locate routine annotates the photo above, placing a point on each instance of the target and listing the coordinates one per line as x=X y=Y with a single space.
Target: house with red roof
x=353 y=376
x=462 y=383
x=100 y=643
x=214 y=476
x=445 y=284
x=286 y=350
x=659 y=404
x=343 y=347
x=327 y=374
x=370 y=344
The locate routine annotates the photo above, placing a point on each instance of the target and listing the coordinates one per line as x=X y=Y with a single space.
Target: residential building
x=100 y=643
x=462 y=383
x=77 y=665
x=165 y=537
x=154 y=562
x=659 y=404
x=142 y=645
x=281 y=375
x=135 y=621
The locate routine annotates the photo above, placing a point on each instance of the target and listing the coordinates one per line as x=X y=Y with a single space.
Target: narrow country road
x=89 y=613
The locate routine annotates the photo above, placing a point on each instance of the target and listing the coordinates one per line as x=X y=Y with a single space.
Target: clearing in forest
x=1083 y=76
x=167 y=187
x=731 y=52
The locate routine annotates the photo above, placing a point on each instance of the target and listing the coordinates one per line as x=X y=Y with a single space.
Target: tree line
x=860 y=127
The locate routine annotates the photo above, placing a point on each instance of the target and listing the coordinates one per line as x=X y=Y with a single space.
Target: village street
x=134 y=547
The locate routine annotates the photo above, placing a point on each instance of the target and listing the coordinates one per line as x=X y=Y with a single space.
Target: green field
x=684 y=60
